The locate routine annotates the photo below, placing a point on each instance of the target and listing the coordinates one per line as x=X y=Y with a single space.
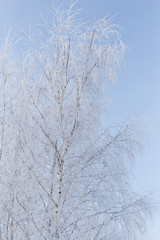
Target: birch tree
x=67 y=175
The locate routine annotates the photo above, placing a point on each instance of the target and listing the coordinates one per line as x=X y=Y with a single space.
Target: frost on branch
x=62 y=175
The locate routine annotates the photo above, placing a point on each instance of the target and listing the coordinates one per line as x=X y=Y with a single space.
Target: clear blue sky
x=138 y=87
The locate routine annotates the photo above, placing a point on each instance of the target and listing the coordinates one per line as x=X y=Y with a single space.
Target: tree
x=63 y=176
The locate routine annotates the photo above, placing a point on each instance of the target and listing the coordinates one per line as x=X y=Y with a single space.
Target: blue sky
x=138 y=87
